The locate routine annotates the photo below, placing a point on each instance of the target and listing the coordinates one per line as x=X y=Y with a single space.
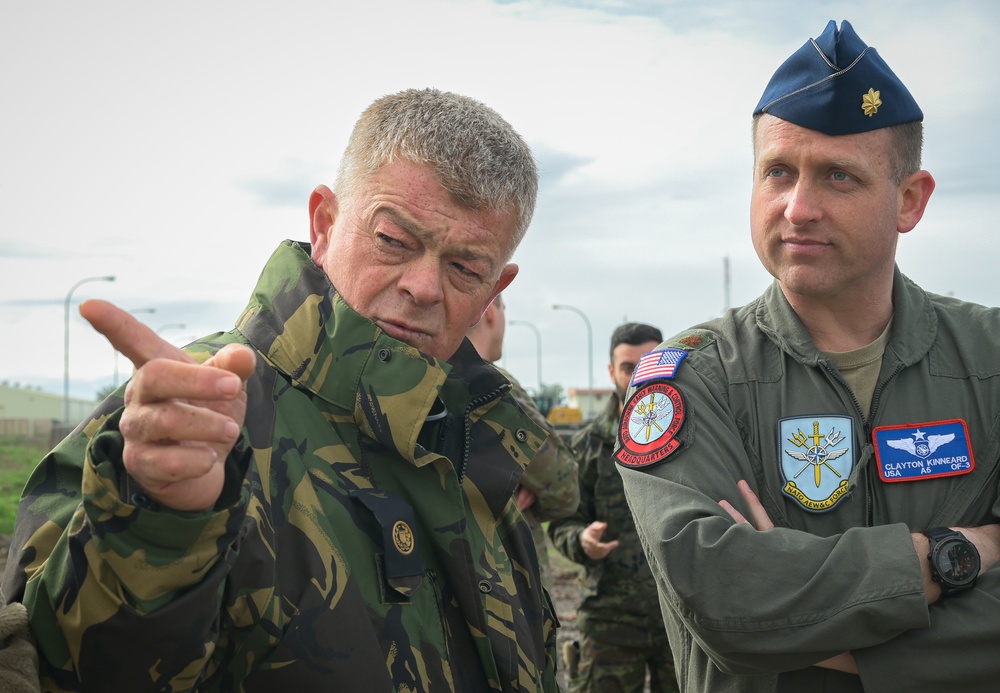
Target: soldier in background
x=323 y=497
x=548 y=490
x=622 y=633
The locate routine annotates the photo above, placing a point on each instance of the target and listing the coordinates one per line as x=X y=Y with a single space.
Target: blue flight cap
x=839 y=86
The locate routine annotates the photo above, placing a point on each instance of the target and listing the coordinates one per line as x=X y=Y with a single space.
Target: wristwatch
x=954 y=560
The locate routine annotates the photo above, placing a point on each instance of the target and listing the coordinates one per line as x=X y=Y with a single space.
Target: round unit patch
x=649 y=425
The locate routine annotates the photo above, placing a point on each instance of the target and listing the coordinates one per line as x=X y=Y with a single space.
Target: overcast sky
x=174 y=145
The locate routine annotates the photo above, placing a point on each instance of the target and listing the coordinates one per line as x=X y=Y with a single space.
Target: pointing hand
x=181 y=418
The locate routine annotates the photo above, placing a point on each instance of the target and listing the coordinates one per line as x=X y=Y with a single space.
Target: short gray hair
x=476 y=155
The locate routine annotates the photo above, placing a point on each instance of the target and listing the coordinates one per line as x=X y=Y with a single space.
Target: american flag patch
x=657 y=364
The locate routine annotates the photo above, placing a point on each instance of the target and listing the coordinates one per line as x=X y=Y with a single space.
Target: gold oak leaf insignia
x=870 y=102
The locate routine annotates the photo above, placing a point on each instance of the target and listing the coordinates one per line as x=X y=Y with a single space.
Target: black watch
x=954 y=560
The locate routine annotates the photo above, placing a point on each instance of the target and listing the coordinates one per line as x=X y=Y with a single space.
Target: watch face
x=956 y=561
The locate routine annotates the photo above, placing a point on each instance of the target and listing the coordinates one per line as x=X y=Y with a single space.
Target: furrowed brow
x=426 y=237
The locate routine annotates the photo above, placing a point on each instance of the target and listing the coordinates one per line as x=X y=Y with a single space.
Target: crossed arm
x=986 y=539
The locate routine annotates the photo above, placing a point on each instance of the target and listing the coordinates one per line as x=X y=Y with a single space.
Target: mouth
x=803 y=245
x=404 y=332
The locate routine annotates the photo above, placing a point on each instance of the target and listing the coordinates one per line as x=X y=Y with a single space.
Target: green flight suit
x=353 y=548
x=751 y=610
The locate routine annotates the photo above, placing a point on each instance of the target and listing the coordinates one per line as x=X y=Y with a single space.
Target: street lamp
x=590 y=351
x=69 y=295
x=538 y=342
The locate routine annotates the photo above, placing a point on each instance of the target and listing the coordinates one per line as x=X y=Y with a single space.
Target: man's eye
x=840 y=176
x=389 y=240
x=463 y=270
x=776 y=173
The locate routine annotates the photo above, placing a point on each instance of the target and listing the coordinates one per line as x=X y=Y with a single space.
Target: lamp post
x=538 y=342
x=590 y=351
x=69 y=295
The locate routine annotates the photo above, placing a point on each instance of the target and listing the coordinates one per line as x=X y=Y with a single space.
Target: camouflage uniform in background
x=354 y=548
x=621 y=627
x=551 y=476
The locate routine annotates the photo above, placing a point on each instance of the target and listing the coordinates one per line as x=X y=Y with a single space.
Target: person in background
x=815 y=478
x=323 y=497
x=548 y=488
x=623 y=639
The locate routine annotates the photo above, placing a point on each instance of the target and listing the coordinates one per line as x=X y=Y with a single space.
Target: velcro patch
x=817 y=456
x=913 y=452
x=650 y=421
x=662 y=363
x=693 y=340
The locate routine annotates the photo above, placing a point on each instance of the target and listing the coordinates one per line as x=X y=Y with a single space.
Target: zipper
x=866 y=428
x=477 y=402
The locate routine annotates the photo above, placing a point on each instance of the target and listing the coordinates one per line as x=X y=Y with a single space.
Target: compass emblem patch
x=817 y=456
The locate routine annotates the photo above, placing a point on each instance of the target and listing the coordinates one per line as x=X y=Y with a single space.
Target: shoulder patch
x=651 y=419
x=662 y=363
x=692 y=340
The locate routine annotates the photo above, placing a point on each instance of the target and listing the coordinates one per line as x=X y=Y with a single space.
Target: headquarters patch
x=913 y=452
x=817 y=456
x=661 y=363
x=650 y=421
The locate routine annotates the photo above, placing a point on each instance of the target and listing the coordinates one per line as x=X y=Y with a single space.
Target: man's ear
x=914 y=192
x=322 y=214
x=507 y=275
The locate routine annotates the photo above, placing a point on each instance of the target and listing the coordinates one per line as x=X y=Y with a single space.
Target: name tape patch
x=912 y=452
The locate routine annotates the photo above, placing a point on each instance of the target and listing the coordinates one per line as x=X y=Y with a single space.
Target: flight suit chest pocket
x=400 y=567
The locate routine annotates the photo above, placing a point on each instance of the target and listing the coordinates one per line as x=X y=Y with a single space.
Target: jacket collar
x=303 y=328
x=913 y=332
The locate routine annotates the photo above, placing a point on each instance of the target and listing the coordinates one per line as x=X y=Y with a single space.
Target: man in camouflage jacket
x=623 y=636
x=362 y=534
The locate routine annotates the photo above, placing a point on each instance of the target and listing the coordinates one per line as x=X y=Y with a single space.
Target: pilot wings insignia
x=920 y=445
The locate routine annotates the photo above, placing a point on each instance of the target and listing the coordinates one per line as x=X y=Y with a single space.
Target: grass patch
x=17 y=460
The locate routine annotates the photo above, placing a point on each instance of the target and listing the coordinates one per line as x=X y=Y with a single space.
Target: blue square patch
x=817 y=456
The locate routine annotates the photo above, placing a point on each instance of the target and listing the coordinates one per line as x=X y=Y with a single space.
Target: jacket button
x=485 y=587
x=384 y=355
x=521 y=435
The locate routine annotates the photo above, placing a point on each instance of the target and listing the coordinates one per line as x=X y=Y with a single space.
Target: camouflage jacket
x=552 y=474
x=619 y=593
x=343 y=554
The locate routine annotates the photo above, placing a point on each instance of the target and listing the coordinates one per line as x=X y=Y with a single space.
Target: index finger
x=133 y=339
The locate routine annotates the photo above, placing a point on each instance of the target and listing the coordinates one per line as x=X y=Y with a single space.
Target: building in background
x=30 y=413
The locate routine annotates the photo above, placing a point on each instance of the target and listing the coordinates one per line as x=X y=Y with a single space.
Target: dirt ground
x=565 y=593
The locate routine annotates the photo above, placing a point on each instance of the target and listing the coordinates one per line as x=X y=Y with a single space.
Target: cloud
x=287 y=188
